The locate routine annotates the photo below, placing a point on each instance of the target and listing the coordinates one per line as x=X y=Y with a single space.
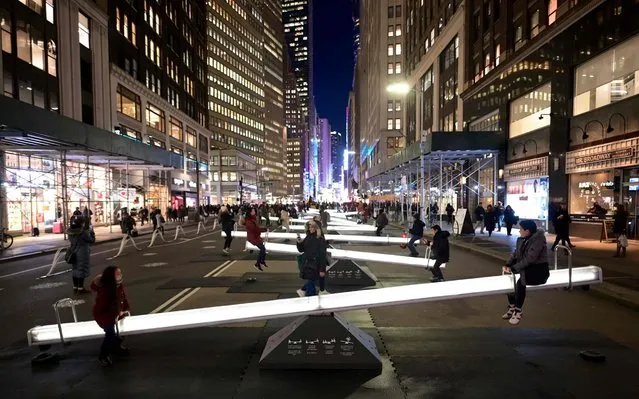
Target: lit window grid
x=228 y=72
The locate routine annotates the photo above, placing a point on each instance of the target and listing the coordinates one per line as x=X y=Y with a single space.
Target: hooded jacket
x=104 y=310
x=253 y=230
x=418 y=228
x=440 y=249
x=313 y=248
x=531 y=250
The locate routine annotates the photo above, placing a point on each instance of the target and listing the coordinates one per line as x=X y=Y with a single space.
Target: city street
x=457 y=348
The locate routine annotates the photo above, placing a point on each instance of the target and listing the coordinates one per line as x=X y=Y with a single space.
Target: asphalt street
x=457 y=348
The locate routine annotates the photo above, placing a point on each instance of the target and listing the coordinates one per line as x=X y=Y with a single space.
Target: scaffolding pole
x=495 y=177
x=441 y=193
x=65 y=198
x=109 y=211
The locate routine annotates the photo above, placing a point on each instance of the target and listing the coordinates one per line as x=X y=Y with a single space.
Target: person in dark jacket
x=253 y=235
x=479 y=217
x=449 y=213
x=561 y=221
x=416 y=233
x=227 y=220
x=381 y=222
x=313 y=249
x=111 y=305
x=490 y=219
x=530 y=260
x=619 y=228
x=81 y=236
x=440 y=251
x=509 y=219
x=127 y=224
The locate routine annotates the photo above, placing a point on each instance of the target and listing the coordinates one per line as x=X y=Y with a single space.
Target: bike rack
x=63 y=303
x=56 y=259
x=157 y=232
x=567 y=249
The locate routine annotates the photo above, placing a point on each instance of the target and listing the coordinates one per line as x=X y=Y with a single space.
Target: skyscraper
x=337 y=155
x=298 y=31
x=294 y=127
x=274 y=125
x=324 y=164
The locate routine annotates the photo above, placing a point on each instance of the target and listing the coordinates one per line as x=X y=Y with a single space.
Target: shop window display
x=529 y=198
x=586 y=189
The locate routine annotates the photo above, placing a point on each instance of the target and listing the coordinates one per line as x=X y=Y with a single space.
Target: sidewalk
x=27 y=246
x=621 y=275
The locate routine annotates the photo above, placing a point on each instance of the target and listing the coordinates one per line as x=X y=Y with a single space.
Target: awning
x=30 y=130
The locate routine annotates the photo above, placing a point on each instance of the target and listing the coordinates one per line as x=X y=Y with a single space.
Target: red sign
x=40 y=218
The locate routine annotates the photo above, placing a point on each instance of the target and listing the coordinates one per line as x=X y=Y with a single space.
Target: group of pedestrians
x=492 y=218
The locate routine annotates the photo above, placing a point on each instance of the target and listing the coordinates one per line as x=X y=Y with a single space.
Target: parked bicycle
x=6 y=239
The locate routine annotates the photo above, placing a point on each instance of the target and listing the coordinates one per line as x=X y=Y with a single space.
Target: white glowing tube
x=356 y=227
x=293 y=307
x=330 y=237
x=338 y=222
x=352 y=255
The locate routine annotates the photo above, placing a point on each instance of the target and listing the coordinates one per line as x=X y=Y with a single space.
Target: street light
x=398 y=88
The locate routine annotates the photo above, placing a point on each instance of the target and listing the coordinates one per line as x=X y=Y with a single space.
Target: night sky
x=332 y=59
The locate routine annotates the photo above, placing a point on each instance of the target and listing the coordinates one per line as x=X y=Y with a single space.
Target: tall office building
x=274 y=125
x=337 y=154
x=236 y=95
x=356 y=28
x=380 y=65
x=294 y=128
x=324 y=163
x=298 y=30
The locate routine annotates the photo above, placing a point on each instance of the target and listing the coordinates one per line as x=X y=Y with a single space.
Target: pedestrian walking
x=510 y=219
x=490 y=219
x=449 y=213
x=479 y=217
x=81 y=237
x=110 y=306
x=313 y=249
x=253 y=235
x=228 y=221
x=562 y=221
x=530 y=261
x=439 y=251
x=619 y=229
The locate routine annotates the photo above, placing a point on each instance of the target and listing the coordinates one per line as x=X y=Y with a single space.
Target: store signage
x=524 y=170
x=178 y=182
x=192 y=184
x=589 y=184
x=604 y=156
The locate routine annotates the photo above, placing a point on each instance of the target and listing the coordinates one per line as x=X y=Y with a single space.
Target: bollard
x=122 y=244
x=200 y=225
x=178 y=228
x=56 y=259
x=156 y=233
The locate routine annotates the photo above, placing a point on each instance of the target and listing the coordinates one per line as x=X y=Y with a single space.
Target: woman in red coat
x=253 y=235
x=110 y=305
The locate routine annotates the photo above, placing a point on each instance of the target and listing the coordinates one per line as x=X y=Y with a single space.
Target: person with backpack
x=313 y=265
x=81 y=237
x=253 y=235
x=416 y=233
x=228 y=222
x=110 y=306
x=530 y=261
x=439 y=251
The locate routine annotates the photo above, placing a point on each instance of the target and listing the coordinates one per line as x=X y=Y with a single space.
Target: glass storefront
x=529 y=198
x=586 y=189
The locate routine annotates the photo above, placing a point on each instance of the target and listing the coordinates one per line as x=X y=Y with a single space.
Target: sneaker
x=516 y=317
x=82 y=290
x=258 y=267
x=225 y=251
x=264 y=264
x=324 y=292
x=105 y=361
x=509 y=313
x=301 y=293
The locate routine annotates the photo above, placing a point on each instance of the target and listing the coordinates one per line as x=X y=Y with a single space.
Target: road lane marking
x=45 y=286
x=155 y=264
x=94 y=254
x=214 y=273
x=183 y=292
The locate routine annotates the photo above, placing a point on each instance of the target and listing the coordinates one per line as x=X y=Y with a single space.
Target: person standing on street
x=81 y=237
x=490 y=219
x=562 y=227
x=313 y=265
x=227 y=220
x=440 y=251
x=509 y=219
x=110 y=306
x=479 y=218
x=253 y=235
x=619 y=229
x=381 y=222
x=530 y=260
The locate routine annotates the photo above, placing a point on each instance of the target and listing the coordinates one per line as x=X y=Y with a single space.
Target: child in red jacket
x=110 y=305
x=253 y=235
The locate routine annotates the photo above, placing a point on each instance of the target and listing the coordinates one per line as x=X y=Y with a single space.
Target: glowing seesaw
x=314 y=305
x=352 y=255
x=331 y=237
x=333 y=222
x=355 y=227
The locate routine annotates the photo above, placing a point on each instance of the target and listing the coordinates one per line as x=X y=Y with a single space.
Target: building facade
x=324 y=164
x=568 y=106
x=380 y=64
x=337 y=154
x=295 y=126
x=298 y=31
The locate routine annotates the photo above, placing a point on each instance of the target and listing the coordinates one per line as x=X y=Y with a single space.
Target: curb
x=608 y=291
x=53 y=250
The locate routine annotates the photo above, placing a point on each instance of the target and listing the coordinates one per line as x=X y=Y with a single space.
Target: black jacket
x=313 y=249
x=479 y=213
x=440 y=250
x=227 y=221
x=417 y=229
